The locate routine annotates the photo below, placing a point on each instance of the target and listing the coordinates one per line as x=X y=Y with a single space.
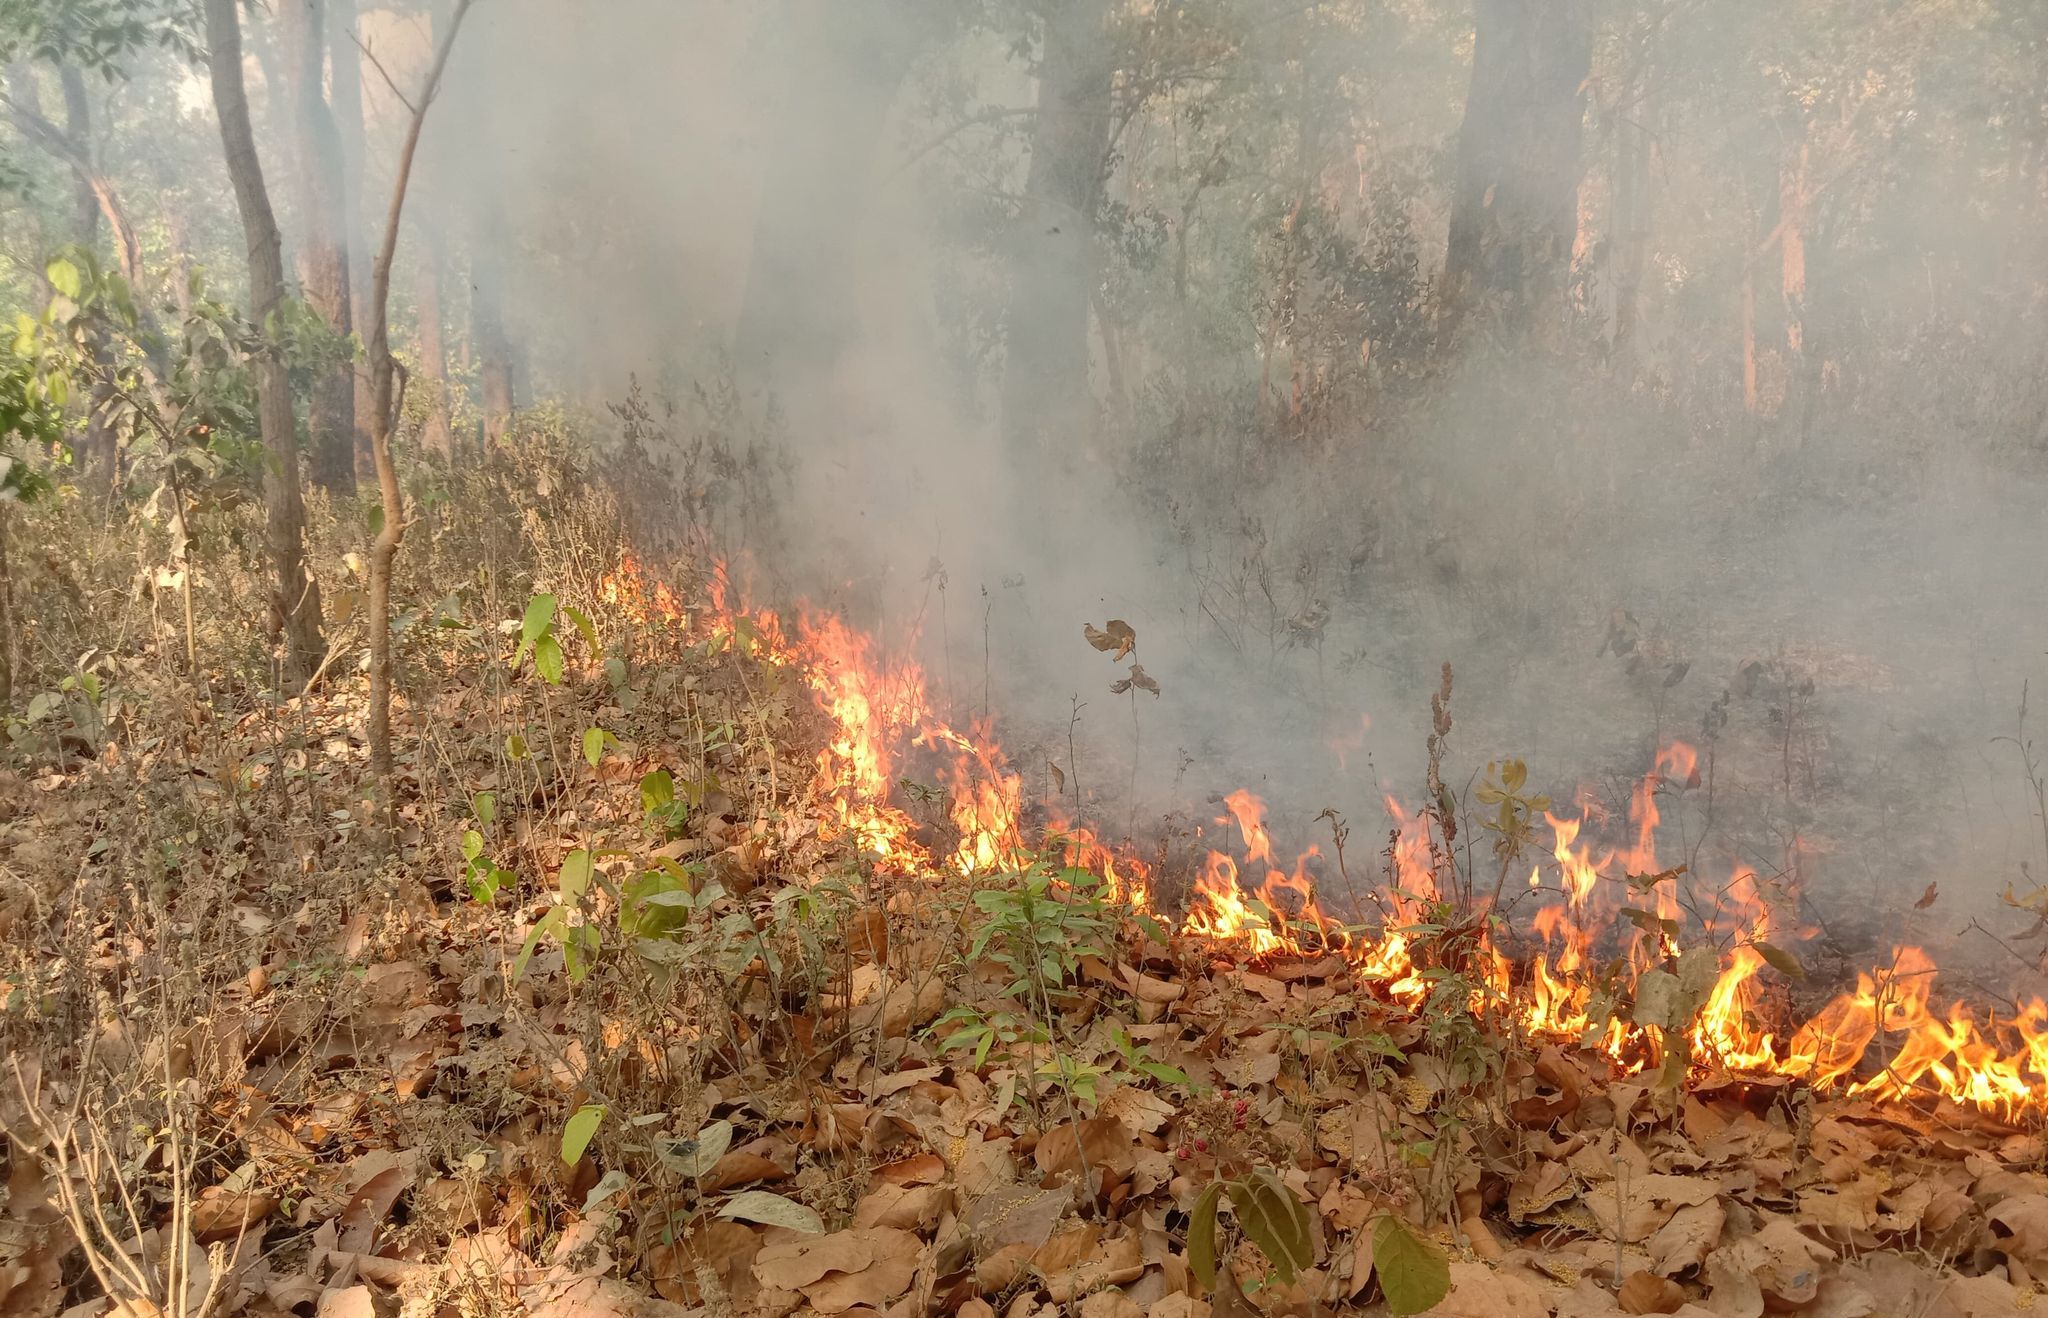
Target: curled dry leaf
x=1646 y=1292
x=1116 y=638
x=1139 y=678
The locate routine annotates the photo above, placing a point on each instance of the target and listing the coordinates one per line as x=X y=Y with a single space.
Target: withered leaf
x=1116 y=638
x=1059 y=777
x=1139 y=678
x=1927 y=898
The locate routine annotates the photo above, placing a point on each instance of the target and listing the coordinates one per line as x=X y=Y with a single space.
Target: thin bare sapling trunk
x=377 y=351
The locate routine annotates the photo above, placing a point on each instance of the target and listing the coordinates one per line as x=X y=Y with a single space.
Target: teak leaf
x=1202 y=1236
x=1414 y=1275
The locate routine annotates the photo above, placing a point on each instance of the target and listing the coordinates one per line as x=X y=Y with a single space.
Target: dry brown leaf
x=895 y=1255
x=790 y=1265
x=1110 y=1263
x=907 y=1208
x=738 y=1168
x=1116 y=638
x=220 y=1214
x=1136 y=1109
x=1685 y=1241
x=2019 y=1227
x=1178 y=1304
x=1013 y=1214
x=918 y=1169
x=368 y=1207
x=1101 y=1144
x=1478 y=1291
x=1646 y=1292
x=1111 y=1304
x=347 y=1302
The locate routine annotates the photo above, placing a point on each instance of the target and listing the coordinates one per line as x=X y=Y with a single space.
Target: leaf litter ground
x=732 y=1100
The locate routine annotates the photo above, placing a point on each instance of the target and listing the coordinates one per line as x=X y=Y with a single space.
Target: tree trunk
x=296 y=602
x=9 y=646
x=323 y=248
x=1514 y=206
x=437 y=436
x=1632 y=178
x=1048 y=409
x=101 y=447
x=494 y=351
x=377 y=360
x=345 y=59
x=800 y=310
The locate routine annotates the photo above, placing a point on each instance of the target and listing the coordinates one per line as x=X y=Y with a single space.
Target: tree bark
x=377 y=353
x=1048 y=409
x=1514 y=205
x=296 y=601
x=345 y=60
x=323 y=248
x=493 y=349
x=436 y=435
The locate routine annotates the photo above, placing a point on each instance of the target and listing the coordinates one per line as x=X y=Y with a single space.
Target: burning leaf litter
x=1021 y=1081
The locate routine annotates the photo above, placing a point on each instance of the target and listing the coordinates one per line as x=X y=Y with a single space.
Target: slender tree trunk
x=1048 y=408
x=377 y=352
x=345 y=59
x=100 y=447
x=1749 y=387
x=1792 y=203
x=493 y=350
x=9 y=645
x=1514 y=206
x=1632 y=179
x=323 y=249
x=296 y=602
x=437 y=435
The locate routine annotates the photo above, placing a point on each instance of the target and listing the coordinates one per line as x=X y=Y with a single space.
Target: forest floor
x=628 y=1016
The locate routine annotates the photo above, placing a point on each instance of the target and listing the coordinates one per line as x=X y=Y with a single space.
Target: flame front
x=1883 y=1040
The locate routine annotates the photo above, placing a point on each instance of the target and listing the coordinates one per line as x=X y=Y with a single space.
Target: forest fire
x=1618 y=964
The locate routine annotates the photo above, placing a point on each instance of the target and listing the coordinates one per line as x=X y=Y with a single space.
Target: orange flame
x=1883 y=1040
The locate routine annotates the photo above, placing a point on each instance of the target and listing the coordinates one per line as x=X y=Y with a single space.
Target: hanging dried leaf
x=1116 y=638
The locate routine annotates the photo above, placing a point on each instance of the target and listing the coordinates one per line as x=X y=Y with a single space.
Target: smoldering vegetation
x=1669 y=368
x=1728 y=430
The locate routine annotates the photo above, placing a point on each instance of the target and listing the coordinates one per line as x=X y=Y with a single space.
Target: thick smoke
x=1843 y=611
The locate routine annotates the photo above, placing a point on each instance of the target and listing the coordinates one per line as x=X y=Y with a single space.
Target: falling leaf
x=1059 y=777
x=1927 y=898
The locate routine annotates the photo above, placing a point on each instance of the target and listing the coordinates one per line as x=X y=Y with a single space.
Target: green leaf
x=484 y=805
x=1202 y=1236
x=1780 y=960
x=657 y=789
x=63 y=277
x=579 y=1130
x=472 y=844
x=1277 y=1222
x=584 y=627
x=539 y=619
x=593 y=745
x=574 y=879
x=1414 y=1275
x=515 y=746
x=547 y=924
x=548 y=660
x=772 y=1210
